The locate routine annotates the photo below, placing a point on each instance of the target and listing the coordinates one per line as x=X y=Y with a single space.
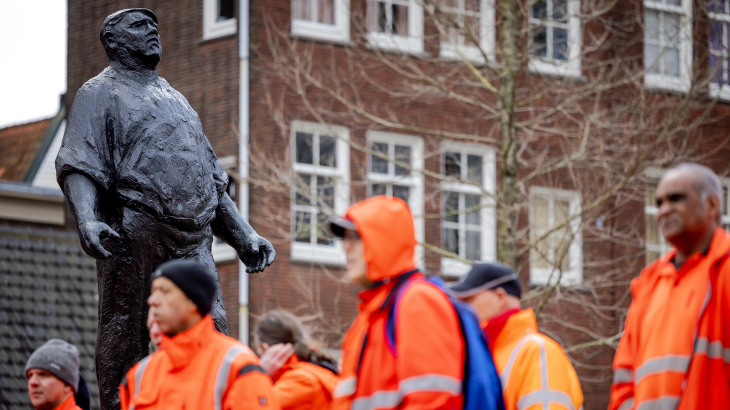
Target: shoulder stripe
x=141 y=367
x=251 y=368
x=221 y=380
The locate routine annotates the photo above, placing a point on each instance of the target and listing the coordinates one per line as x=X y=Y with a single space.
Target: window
x=327 y=20
x=395 y=25
x=468 y=222
x=394 y=169
x=656 y=246
x=219 y=18
x=222 y=252
x=555 y=37
x=668 y=44
x=475 y=21
x=719 y=15
x=320 y=162
x=556 y=250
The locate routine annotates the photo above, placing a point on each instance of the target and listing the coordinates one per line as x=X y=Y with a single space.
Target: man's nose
x=152 y=300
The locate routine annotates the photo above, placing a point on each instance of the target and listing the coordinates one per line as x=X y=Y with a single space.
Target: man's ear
x=111 y=42
x=713 y=202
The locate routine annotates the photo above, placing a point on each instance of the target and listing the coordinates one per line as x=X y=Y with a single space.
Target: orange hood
x=389 y=239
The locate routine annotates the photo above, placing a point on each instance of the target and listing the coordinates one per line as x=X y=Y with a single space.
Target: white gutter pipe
x=243 y=125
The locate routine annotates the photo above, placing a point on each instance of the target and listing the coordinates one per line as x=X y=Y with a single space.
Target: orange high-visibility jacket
x=300 y=385
x=535 y=372
x=198 y=369
x=427 y=370
x=675 y=350
x=68 y=404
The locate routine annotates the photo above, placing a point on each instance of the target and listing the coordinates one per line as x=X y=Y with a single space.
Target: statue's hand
x=257 y=253
x=91 y=234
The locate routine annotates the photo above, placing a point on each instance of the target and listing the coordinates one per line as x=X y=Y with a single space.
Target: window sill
x=223 y=253
x=666 y=83
x=219 y=30
x=402 y=44
x=721 y=92
x=320 y=32
x=454 y=268
x=471 y=53
x=555 y=69
x=539 y=277
x=325 y=255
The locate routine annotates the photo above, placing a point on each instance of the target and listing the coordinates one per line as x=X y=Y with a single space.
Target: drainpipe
x=243 y=124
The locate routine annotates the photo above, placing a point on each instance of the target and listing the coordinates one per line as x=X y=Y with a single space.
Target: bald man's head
x=705 y=182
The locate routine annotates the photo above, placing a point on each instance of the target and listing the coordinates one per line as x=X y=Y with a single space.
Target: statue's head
x=130 y=37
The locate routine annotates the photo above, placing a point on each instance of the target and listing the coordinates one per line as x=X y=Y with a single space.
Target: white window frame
x=654 y=175
x=572 y=66
x=721 y=91
x=333 y=255
x=665 y=82
x=574 y=275
x=222 y=252
x=335 y=33
x=472 y=53
x=212 y=28
x=412 y=43
x=414 y=181
x=488 y=213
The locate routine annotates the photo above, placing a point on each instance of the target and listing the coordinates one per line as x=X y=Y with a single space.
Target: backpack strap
x=389 y=303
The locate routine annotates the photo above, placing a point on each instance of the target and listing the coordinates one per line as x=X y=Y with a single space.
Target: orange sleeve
x=251 y=389
x=295 y=388
x=430 y=349
x=622 y=389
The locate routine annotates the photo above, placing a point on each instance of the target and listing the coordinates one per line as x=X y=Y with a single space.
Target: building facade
x=312 y=105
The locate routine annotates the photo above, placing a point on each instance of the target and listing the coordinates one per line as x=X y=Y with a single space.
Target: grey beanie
x=59 y=358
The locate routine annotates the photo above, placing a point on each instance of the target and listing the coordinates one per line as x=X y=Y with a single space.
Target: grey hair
x=706 y=183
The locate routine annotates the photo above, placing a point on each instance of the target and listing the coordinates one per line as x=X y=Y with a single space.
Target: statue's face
x=137 y=34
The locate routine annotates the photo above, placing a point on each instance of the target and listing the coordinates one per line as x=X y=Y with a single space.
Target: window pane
x=671 y=62
x=377 y=164
x=327 y=152
x=716 y=31
x=326 y=191
x=717 y=6
x=538 y=34
x=473 y=245
x=716 y=69
x=651 y=55
x=539 y=215
x=378 y=189
x=539 y=10
x=652 y=231
x=322 y=237
x=472 y=201
x=560 y=44
x=539 y=255
x=326 y=11
x=651 y=24
x=650 y=194
x=451 y=240
x=302 y=10
x=451 y=206
x=474 y=168
x=402 y=192
x=675 y=2
x=562 y=255
x=303 y=189
x=402 y=154
x=376 y=16
x=472 y=5
x=560 y=10
x=400 y=20
x=452 y=164
x=302 y=226
x=671 y=28
x=304 y=148
x=225 y=9
x=562 y=211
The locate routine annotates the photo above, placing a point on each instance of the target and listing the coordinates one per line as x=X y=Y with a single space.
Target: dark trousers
x=124 y=286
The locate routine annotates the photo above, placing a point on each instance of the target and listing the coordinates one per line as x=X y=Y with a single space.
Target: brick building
x=301 y=145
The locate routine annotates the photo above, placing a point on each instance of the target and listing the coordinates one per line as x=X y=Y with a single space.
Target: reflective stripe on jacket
x=675 y=350
x=200 y=369
x=427 y=369
x=301 y=385
x=535 y=372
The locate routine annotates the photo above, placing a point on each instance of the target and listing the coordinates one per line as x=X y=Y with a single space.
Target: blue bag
x=481 y=387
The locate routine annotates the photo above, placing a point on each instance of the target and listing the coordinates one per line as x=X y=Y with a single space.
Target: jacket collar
x=517 y=326
x=719 y=247
x=68 y=404
x=183 y=346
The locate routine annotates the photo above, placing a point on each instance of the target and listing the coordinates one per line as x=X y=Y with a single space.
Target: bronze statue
x=144 y=186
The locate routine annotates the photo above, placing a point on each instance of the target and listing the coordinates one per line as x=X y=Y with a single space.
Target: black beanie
x=194 y=279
